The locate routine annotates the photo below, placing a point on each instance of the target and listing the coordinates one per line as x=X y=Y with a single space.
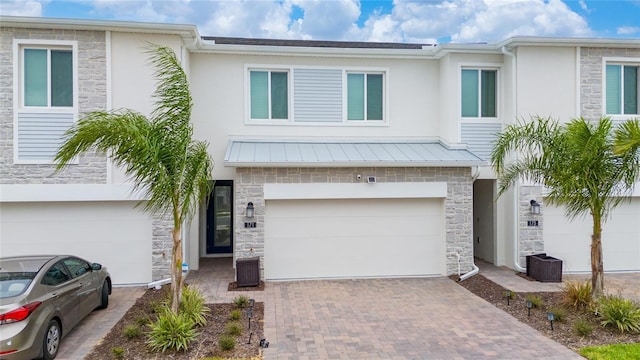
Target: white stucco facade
x=421 y=103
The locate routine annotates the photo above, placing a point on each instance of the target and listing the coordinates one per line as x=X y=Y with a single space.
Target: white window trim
x=480 y=66
x=291 y=111
x=247 y=89
x=18 y=87
x=633 y=61
x=345 y=92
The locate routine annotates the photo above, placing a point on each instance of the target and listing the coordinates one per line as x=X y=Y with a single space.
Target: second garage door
x=571 y=240
x=306 y=239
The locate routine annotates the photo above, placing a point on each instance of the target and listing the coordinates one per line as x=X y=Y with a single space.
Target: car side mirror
x=96 y=266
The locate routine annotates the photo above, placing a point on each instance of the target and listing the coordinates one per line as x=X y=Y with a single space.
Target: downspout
x=516 y=228
x=474 y=175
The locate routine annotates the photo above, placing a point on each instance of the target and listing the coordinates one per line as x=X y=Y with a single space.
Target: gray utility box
x=544 y=268
x=248 y=271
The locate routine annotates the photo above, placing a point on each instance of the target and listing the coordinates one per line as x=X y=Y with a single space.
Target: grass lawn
x=612 y=352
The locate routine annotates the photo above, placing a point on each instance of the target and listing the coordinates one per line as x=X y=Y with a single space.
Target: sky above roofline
x=405 y=21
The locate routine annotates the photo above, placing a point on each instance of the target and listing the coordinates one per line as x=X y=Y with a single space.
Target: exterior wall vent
x=371 y=179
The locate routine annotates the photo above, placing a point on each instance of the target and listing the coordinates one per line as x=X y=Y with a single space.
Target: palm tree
x=577 y=165
x=158 y=153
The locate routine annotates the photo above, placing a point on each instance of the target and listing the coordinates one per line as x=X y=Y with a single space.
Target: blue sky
x=434 y=21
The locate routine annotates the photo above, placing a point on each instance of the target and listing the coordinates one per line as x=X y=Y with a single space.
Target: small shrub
x=536 y=301
x=171 y=332
x=620 y=312
x=226 y=342
x=583 y=327
x=559 y=313
x=577 y=294
x=241 y=301
x=158 y=307
x=233 y=328
x=117 y=352
x=193 y=307
x=235 y=315
x=142 y=321
x=131 y=331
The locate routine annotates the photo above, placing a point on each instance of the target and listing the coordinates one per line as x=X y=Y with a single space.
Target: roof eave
x=421 y=164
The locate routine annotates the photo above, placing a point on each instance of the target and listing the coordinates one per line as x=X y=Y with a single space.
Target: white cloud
x=461 y=21
x=470 y=21
x=21 y=8
x=628 y=30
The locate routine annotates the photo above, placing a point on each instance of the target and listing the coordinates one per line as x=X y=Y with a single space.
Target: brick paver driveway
x=426 y=318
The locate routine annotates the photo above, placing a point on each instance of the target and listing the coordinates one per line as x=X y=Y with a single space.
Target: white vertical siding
x=317 y=95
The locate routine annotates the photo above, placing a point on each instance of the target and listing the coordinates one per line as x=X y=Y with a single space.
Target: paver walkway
x=414 y=318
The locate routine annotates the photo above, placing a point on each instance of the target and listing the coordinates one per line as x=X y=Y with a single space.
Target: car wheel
x=104 y=299
x=51 y=341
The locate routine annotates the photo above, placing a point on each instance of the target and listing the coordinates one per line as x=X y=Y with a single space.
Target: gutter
x=516 y=229
x=474 y=175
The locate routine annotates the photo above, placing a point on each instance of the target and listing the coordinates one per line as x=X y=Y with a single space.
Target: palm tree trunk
x=597 y=268
x=176 y=268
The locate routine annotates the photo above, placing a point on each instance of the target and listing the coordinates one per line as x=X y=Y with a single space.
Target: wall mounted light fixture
x=535 y=207
x=250 y=210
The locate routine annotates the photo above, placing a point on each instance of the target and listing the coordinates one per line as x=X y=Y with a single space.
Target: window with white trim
x=45 y=98
x=365 y=96
x=269 y=94
x=622 y=89
x=479 y=93
x=47 y=77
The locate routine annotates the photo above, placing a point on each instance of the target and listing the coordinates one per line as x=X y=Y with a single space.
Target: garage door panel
x=353 y=238
x=571 y=240
x=111 y=233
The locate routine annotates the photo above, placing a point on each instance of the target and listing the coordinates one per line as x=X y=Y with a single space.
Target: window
x=56 y=275
x=269 y=94
x=47 y=77
x=45 y=97
x=622 y=89
x=479 y=93
x=364 y=96
x=77 y=267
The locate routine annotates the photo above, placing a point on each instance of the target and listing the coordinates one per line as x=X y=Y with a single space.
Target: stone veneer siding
x=531 y=237
x=591 y=77
x=458 y=206
x=592 y=108
x=92 y=95
x=161 y=245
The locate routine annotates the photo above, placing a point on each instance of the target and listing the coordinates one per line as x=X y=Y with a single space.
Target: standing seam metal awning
x=262 y=153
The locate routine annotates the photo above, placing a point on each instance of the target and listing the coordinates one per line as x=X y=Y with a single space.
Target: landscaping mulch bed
x=206 y=344
x=563 y=331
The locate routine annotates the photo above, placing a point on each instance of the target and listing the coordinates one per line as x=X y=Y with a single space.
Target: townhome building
x=332 y=159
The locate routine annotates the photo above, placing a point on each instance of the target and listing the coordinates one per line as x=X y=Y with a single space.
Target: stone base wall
x=531 y=235
x=249 y=186
x=161 y=245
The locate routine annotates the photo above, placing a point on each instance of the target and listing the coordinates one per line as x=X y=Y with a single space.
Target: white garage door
x=571 y=241
x=111 y=233
x=353 y=238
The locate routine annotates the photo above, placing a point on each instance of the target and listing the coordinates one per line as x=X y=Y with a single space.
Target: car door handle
x=54 y=296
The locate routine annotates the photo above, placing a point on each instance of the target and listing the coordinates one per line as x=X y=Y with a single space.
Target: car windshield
x=14 y=283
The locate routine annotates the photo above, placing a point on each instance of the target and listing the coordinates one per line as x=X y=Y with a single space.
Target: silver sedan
x=42 y=298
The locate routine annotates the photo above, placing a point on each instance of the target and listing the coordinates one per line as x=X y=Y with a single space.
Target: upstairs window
x=479 y=93
x=47 y=77
x=622 y=90
x=365 y=96
x=269 y=94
